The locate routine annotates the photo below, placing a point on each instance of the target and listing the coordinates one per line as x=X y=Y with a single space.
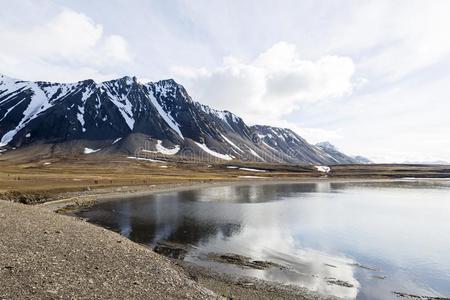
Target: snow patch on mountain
x=10 y=109
x=116 y=140
x=231 y=143
x=214 y=153
x=80 y=117
x=255 y=154
x=163 y=150
x=221 y=114
x=125 y=108
x=167 y=151
x=86 y=94
x=166 y=116
x=39 y=103
x=270 y=147
x=10 y=86
x=164 y=90
x=89 y=150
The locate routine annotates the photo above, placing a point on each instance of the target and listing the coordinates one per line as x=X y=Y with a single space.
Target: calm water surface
x=378 y=237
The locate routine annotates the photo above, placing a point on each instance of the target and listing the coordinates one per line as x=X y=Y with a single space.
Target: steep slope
x=125 y=116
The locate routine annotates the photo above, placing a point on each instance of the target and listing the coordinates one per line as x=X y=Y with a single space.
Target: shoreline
x=211 y=285
x=80 y=198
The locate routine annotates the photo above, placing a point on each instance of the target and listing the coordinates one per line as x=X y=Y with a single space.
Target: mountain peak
x=327 y=145
x=168 y=83
x=4 y=77
x=128 y=79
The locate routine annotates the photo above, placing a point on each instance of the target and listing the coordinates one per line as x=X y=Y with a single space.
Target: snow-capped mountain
x=125 y=116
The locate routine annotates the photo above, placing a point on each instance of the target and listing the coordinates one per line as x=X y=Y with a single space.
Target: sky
x=371 y=77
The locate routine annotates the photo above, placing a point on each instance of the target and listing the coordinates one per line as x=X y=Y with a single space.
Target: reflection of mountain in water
x=254 y=193
x=160 y=217
x=180 y=217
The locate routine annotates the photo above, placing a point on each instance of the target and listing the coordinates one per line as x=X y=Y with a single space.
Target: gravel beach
x=44 y=255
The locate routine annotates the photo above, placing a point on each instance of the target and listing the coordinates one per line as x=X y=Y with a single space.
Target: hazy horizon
x=368 y=76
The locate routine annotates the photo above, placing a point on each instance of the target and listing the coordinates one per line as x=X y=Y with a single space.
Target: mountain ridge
x=126 y=116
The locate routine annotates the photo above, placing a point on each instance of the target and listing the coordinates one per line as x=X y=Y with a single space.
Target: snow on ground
x=214 y=153
x=167 y=151
x=3 y=150
x=232 y=167
x=146 y=159
x=324 y=169
x=116 y=140
x=253 y=170
x=163 y=150
x=89 y=150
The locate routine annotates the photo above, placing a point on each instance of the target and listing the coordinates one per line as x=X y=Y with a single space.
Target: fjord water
x=355 y=240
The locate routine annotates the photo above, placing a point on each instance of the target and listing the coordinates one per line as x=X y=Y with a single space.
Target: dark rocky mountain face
x=125 y=116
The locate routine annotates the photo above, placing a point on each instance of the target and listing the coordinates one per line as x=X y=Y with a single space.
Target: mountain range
x=143 y=120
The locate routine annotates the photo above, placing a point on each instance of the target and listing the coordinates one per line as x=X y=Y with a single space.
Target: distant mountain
x=362 y=160
x=339 y=157
x=124 y=116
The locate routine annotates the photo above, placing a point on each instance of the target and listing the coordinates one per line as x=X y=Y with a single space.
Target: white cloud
x=65 y=47
x=392 y=39
x=270 y=86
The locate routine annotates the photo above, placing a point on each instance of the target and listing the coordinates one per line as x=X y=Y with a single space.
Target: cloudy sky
x=371 y=77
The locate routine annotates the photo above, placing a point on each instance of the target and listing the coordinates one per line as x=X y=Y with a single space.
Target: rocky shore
x=44 y=255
